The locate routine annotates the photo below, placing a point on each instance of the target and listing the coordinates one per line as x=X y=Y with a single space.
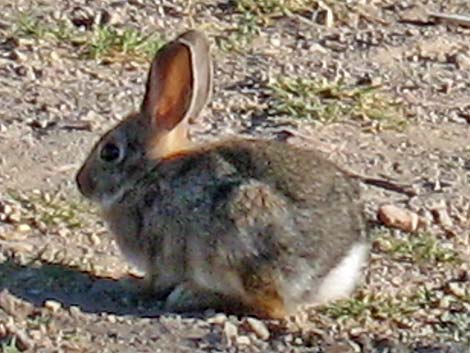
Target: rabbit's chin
x=106 y=201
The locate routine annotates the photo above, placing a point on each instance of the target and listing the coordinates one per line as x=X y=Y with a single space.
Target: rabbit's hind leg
x=263 y=299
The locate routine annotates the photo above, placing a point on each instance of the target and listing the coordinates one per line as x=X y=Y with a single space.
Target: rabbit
x=251 y=226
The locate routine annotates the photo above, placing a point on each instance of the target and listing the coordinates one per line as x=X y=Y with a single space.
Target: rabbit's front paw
x=187 y=297
x=181 y=298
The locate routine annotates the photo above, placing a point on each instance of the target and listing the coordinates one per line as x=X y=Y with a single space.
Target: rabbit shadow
x=70 y=286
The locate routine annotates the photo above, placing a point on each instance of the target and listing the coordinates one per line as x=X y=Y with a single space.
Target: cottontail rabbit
x=252 y=225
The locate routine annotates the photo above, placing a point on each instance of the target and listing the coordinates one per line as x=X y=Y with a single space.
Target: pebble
x=258 y=327
x=14 y=217
x=218 y=319
x=462 y=61
x=456 y=289
x=243 y=341
x=275 y=41
x=75 y=311
x=52 y=305
x=230 y=331
x=18 y=56
x=23 y=228
x=55 y=56
x=5 y=209
x=95 y=239
x=444 y=302
x=399 y=218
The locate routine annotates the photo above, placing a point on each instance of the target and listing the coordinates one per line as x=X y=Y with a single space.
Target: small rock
x=243 y=341
x=18 y=56
x=52 y=305
x=258 y=327
x=462 y=61
x=317 y=48
x=444 y=302
x=416 y=15
x=275 y=41
x=55 y=56
x=23 y=228
x=63 y=232
x=218 y=319
x=36 y=335
x=5 y=209
x=399 y=218
x=95 y=239
x=230 y=332
x=329 y=18
x=75 y=311
x=111 y=18
x=26 y=42
x=456 y=289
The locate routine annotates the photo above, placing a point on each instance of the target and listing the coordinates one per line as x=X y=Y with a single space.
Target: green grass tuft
x=374 y=306
x=104 y=43
x=420 y=248
x=324 y=101
x=403 y=311
x=31 y=26
x=109 y=42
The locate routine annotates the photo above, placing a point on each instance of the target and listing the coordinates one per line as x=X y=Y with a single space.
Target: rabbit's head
x=178 y=87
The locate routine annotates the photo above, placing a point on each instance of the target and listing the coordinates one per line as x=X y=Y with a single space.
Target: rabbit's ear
x=179 y=81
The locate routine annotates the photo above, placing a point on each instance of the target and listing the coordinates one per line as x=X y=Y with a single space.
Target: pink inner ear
x=170 y=87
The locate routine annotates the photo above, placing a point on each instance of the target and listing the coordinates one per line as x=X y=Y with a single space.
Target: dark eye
x=110 y=152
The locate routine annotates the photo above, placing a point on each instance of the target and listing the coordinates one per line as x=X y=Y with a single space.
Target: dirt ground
x=64 y=287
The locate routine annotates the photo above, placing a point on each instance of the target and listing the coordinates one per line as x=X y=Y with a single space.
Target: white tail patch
x=341 y=280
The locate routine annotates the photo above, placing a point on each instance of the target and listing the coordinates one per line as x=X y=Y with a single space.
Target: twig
x=388 y=185
x=459 y=20
x=384 y=184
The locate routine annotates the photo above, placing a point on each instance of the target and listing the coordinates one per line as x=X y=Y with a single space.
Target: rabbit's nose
x=84 y=182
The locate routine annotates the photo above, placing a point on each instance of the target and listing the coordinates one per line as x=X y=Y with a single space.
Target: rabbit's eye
x=110 y=152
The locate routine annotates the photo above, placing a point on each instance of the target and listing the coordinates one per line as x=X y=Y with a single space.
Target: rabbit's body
x=256 y=225
x=229 y=216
